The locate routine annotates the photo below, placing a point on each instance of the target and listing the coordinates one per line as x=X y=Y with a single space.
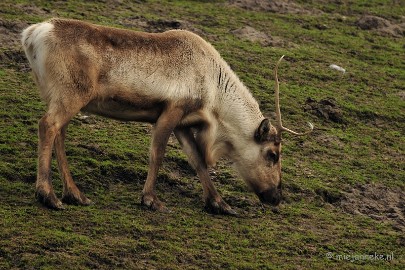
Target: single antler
x=279 y=125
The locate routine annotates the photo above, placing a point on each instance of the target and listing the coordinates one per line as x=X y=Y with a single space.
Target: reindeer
x=174 y=80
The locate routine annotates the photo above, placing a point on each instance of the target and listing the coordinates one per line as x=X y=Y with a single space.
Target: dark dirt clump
x=14 y=59
x=325 y=108
x=329 y=196
x=163 y=25
x=378 y=202
x=158 y=26
x=381 y=25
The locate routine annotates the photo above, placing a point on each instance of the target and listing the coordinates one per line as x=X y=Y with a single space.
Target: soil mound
x=325 y=108
x=381 y=25
x=276 y=6
x=253 y=35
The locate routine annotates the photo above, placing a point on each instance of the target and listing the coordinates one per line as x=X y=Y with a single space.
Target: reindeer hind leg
x=71 y=193
x=51 y=132
x=44 y=191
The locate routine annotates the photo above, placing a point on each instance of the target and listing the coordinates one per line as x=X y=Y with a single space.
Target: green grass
x=108 y=159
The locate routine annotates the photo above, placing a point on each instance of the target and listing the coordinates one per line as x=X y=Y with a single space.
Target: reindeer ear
x=262 y=131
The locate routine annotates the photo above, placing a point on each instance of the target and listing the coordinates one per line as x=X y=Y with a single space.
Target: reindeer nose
x=271 y=196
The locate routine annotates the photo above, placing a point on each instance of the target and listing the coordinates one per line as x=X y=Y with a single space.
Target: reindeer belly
x=125 y=111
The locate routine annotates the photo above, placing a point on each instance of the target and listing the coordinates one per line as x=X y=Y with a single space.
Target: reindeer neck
x=238 y=110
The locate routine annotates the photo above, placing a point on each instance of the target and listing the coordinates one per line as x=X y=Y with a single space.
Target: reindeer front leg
x=164 y=126
x=213 y=201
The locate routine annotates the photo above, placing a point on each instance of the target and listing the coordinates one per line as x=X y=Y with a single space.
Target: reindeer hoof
x=49 y=199
x=219 y=207
x=75 y=198
x=153 y=203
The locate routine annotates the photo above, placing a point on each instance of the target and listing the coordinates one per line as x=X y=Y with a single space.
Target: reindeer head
x=263 y=156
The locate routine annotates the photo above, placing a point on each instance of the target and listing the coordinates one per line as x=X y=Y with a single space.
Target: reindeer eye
x=271 y=156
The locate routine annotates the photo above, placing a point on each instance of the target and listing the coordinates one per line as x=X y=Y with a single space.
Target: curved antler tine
x=279 y=125
x=277 y=95
x=311 y=126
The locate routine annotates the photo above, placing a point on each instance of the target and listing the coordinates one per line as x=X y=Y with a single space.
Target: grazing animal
x=174 y=80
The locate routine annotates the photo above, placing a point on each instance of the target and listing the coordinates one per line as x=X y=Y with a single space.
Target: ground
x=344 y=188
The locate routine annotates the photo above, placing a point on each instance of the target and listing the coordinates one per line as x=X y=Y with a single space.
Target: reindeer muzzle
x=271 y=196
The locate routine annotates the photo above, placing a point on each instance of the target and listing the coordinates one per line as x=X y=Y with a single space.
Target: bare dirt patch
x=401 y=95
x=10 y=30
x=329 y=140
x=34 y=10
x=275 y=6
x=10 y=33
x=381 y=25
x=251 y=34
x=11 y=54
x=378 y=202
